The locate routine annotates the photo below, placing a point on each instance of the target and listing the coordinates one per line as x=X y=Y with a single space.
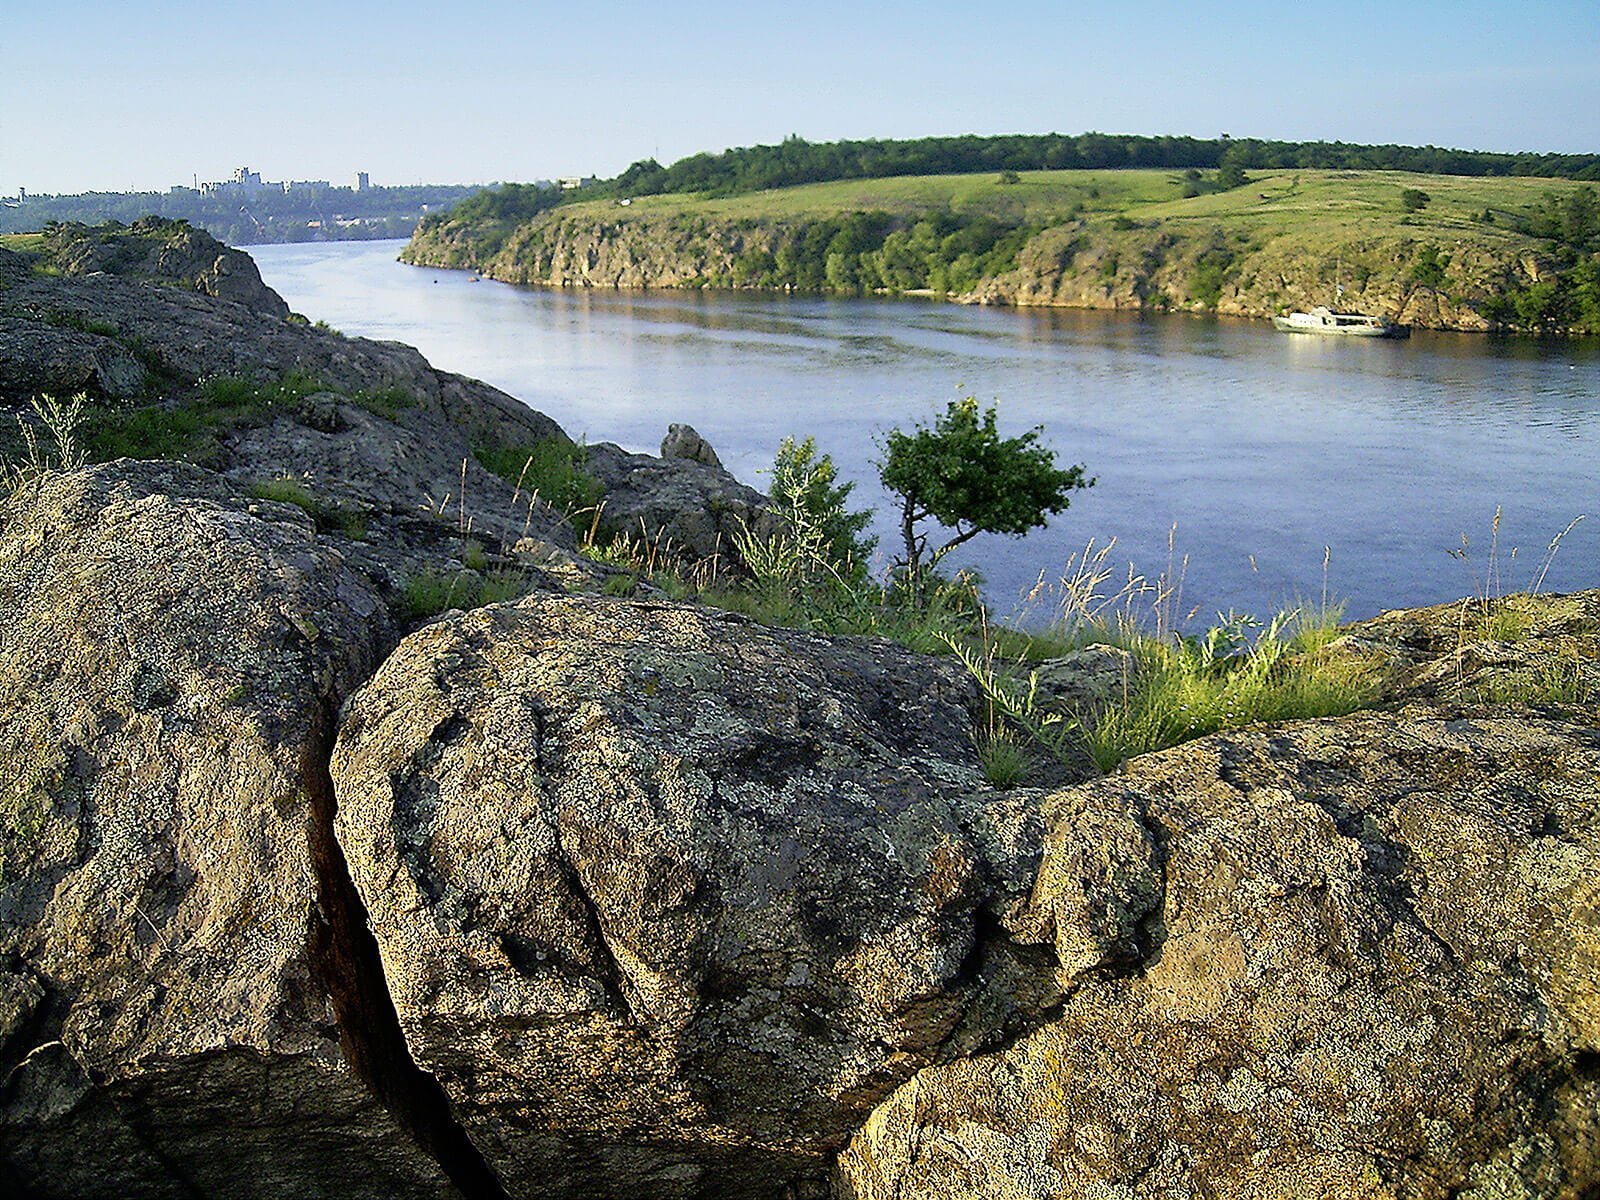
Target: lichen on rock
x=668 y=897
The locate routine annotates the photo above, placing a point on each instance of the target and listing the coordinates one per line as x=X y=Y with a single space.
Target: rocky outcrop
x=1477 y=652
x=170 y=252
x=384 y=443
x=684 y=441
x=667 y=900
x=604 y=898
x=35 y=357
x=1352 y=957
x=683 y=506
x=170 y=984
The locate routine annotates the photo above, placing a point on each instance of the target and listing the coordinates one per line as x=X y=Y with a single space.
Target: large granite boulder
x=175 y=951
x=667 y=901
x=1357 y=957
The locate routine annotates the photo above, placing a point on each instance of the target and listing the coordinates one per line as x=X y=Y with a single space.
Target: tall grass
x=1239 y=672
x=1492 y=613
x=1176 y=686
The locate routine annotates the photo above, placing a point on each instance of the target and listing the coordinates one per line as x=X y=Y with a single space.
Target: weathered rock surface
x=40 y=358
x=687 y=507
x=1474 y=652
x=667 y=900
x=169 y=982
x=1357 y=957
x=170 y=252
x=684 y=441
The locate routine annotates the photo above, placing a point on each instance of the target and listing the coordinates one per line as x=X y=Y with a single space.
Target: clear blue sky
x=144 y=95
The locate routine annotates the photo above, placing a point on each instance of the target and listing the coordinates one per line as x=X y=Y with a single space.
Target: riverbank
x=1431 y=251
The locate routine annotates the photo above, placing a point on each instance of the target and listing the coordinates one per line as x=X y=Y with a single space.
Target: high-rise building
x=362 y=183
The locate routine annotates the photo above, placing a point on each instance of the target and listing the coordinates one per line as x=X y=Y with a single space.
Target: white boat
x=1324 y=320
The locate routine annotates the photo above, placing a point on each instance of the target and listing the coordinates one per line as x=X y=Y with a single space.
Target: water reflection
x=1255 y=442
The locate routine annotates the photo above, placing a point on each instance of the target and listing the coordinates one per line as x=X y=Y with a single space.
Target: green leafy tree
x=964 y=475
x=1414 y=199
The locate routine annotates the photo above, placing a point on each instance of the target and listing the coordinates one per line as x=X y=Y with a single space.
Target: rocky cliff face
x=1097 y=264
x=583 y=897
x=1165 y=267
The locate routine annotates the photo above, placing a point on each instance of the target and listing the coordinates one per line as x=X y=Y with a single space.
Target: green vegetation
x=1414 y=199
x=431 y=592
x=1174 y=687
x=60 y=449
x=554 y=469
x=330 y=517
x=1569 y=683
x=796 y=161
x=964 y=475
x=1568 y=221
x=1006 y=761
x=806 y=490
x=188 y=427
x=1187 y=687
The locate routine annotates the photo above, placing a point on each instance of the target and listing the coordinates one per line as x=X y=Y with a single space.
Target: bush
x=1414 y=199
x=964 y=475
x=806 y=486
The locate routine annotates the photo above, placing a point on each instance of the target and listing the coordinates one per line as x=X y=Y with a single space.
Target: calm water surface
x=1262 y=448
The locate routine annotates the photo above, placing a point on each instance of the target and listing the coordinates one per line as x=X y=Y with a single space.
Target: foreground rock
x=1357 y=957
x=169 y=980
x=667 y=900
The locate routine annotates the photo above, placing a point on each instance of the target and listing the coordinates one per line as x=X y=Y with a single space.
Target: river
x=1286 y=463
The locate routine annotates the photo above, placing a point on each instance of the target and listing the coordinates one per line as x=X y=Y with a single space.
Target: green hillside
x=1442 y=250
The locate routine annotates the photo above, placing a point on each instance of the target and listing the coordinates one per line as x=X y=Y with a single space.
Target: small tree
x=1414 y=199
x=968 y=478
x=808 y=483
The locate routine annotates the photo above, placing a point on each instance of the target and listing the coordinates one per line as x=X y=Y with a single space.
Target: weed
x=555 y=468
x=328 y=516
x=60 y=421
x=1005 y=760
x=1189 y=687
x=1564 y=682
x=287 y=491
x=386 y=402
x=433 y=591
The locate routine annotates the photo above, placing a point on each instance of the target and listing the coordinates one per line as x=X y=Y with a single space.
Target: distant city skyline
x=114 y=99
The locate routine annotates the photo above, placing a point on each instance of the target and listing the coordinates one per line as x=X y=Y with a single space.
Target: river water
x=1286 y=463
